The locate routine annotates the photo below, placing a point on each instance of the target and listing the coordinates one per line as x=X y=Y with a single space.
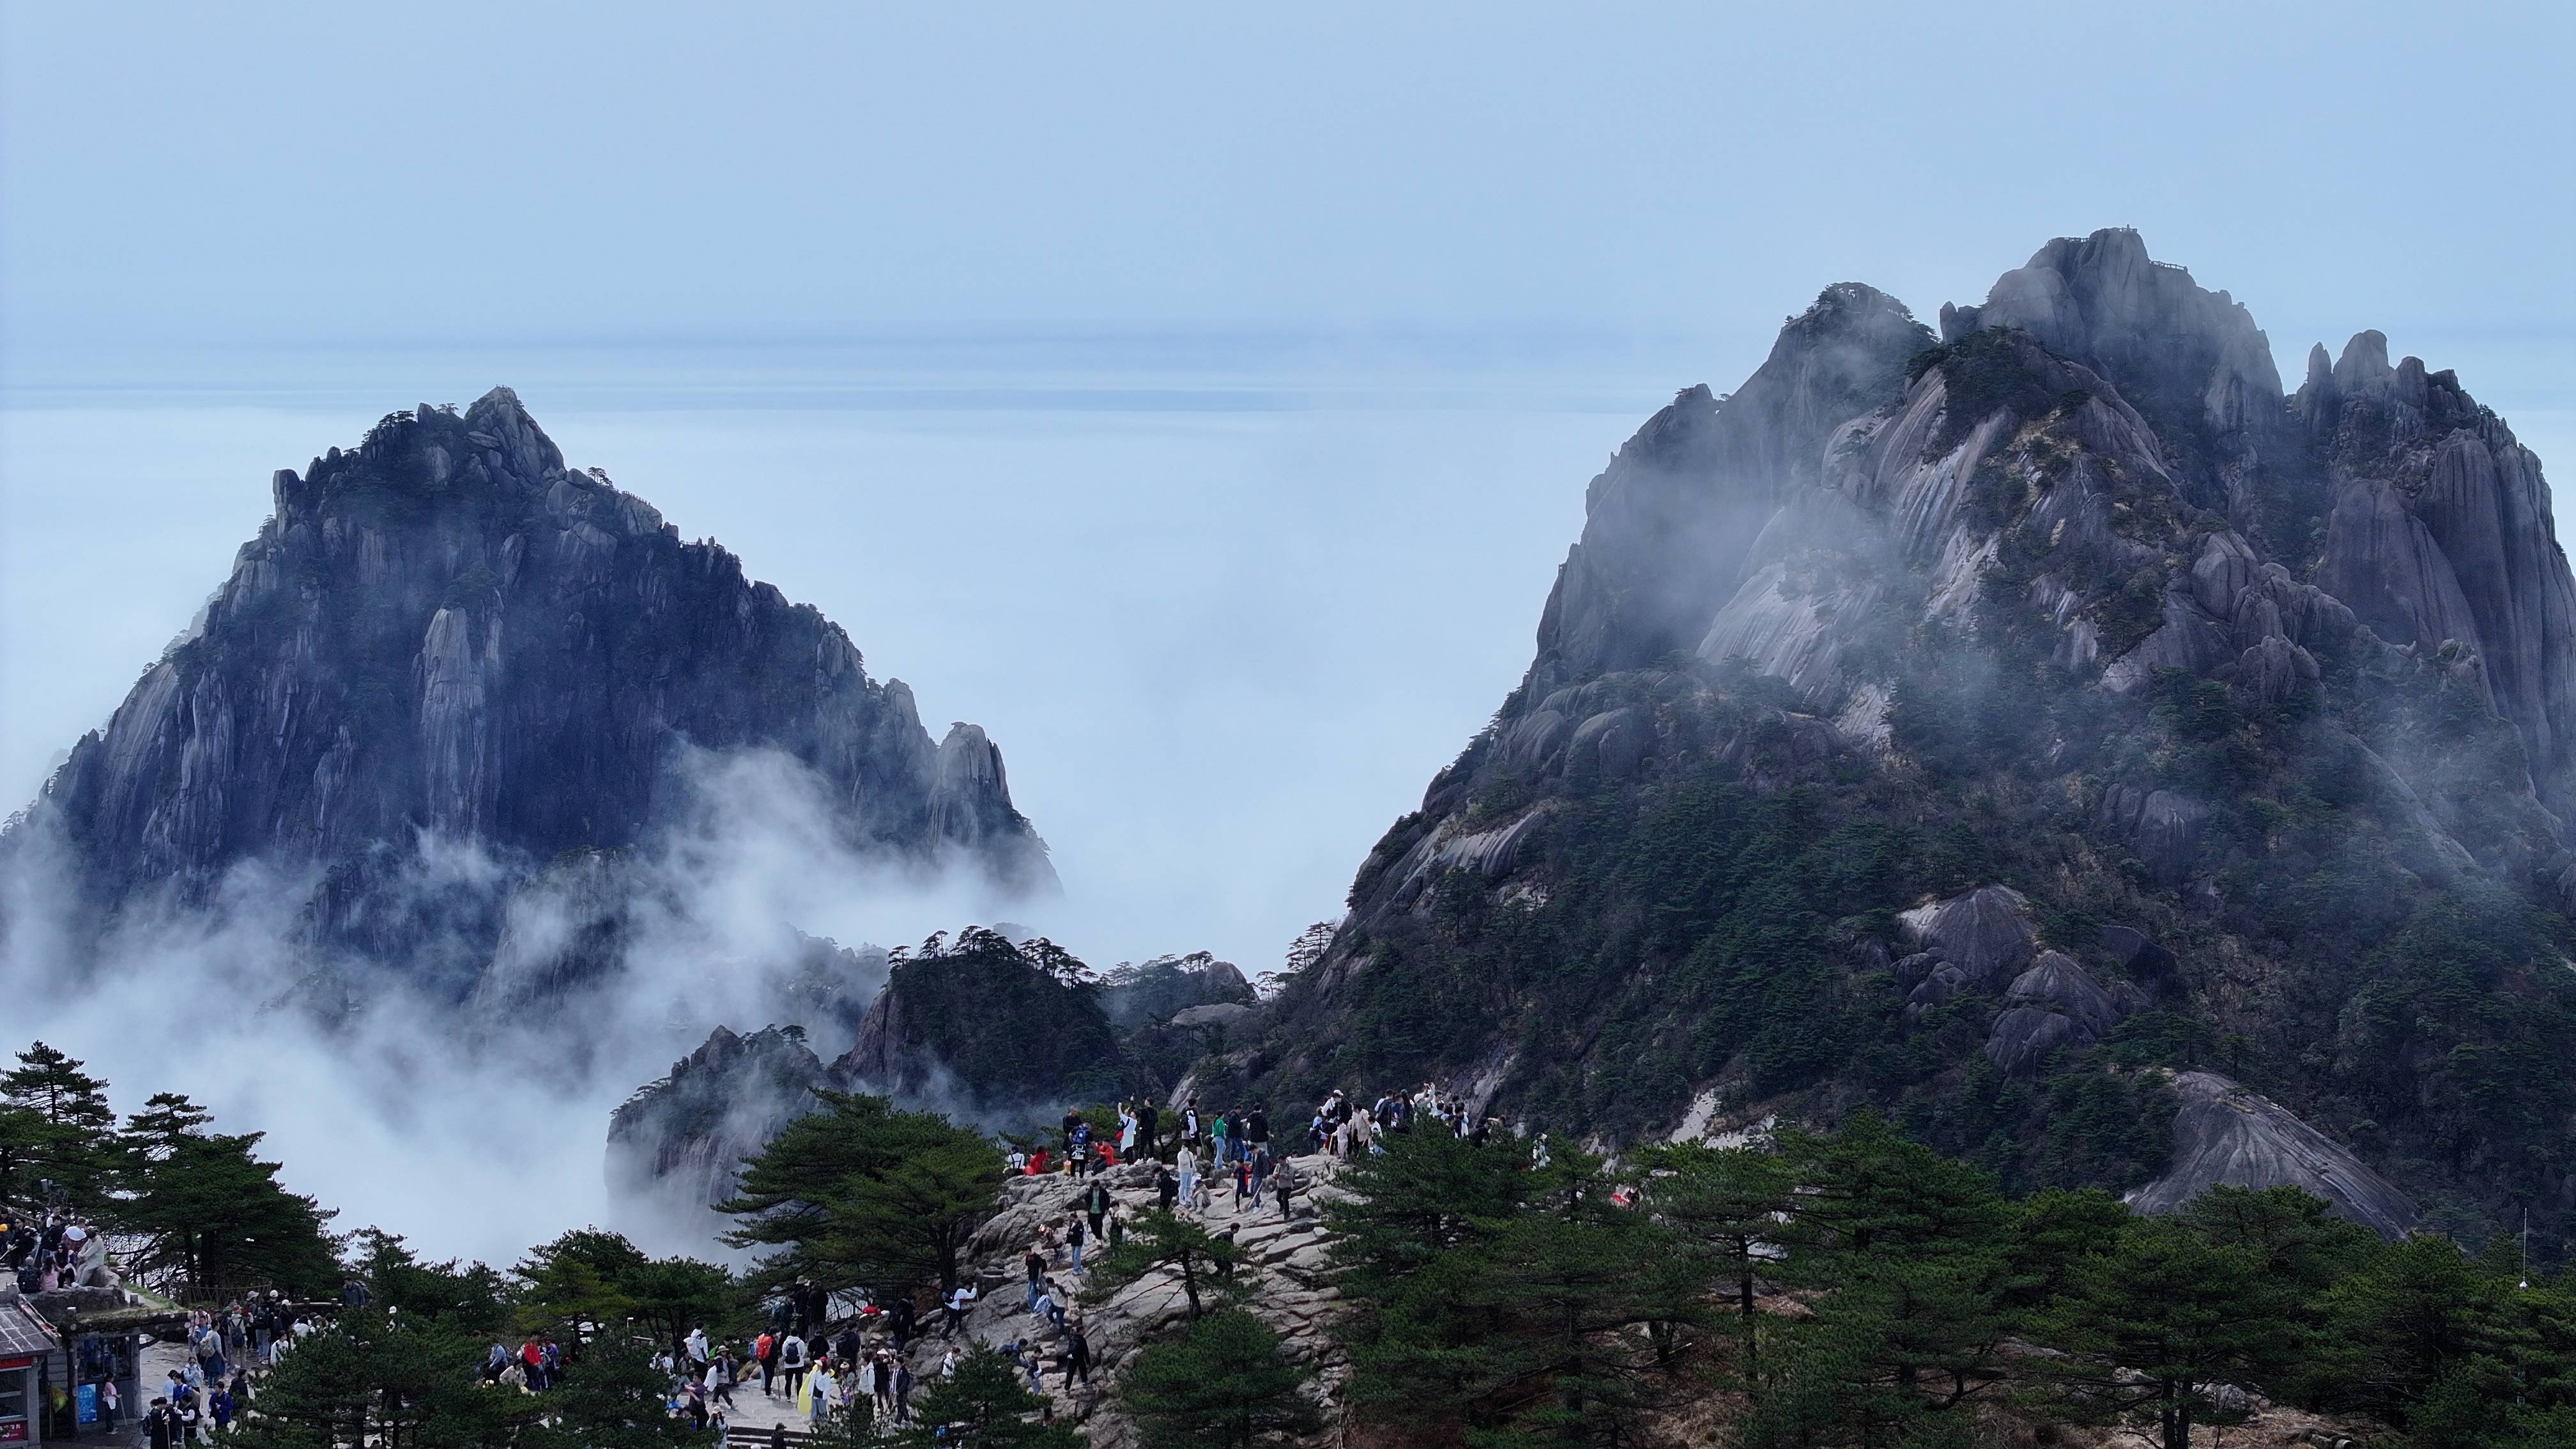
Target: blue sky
x=285 y=173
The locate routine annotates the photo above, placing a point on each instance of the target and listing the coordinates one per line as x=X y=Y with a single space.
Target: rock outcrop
x=445 y=635
x=681 y=1141
x=2227 y=1135
x=986 y=1029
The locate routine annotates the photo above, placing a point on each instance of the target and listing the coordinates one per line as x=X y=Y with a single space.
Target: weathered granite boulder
x=1986 y=933
x=2226 y=1134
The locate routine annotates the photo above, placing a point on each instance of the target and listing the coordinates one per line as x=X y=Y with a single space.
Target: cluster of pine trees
x=1860 y=1289
x=186 y=1205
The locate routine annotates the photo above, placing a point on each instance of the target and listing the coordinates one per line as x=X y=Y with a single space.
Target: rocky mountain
x=2050 y=731
x=446 y=640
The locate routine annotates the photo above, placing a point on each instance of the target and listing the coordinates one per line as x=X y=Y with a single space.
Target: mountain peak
x=444 y=634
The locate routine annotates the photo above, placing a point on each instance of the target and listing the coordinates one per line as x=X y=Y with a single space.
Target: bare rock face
x=447 y=634
x=1668 y=522
x=2442 y=532
x=2227 y=1135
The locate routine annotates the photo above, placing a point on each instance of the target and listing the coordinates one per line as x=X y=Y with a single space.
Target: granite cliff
x=446 y=644
x=2050 y=731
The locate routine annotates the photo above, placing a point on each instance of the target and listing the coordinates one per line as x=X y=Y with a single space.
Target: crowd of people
x=1208 y=1156
x=58 y=1251
x=826 y=1368
x=229 y=1349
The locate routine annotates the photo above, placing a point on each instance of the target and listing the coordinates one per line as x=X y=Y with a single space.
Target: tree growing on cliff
x=1208 y=1264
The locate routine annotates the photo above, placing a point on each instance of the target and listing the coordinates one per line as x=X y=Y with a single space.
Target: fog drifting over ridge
x=1219 y=649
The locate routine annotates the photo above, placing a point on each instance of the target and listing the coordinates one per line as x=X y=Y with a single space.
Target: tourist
x=1077 y=1359
x=791 y=1363
x=1073 y=1239
x=960 y=1298
x=1189 y=1165
x=1096 y=1202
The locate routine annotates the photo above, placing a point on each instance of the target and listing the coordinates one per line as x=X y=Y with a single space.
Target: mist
x=1220 y=649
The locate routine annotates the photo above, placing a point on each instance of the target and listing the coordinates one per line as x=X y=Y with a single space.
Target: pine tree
x=983 y=1406
x=213 y=1213
x=58 y=1126
x=1208 y=1264
x=2164 y=1316
x=1221 y=1380
x=1731 y=1203
x=468 y=1296
x=1429 y=1192
x=389 y=1380
x=860 y=1192
x=613 y=1398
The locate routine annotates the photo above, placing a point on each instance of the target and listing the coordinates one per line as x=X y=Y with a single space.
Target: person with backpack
x=1073 y=1239
x=791 y=1363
